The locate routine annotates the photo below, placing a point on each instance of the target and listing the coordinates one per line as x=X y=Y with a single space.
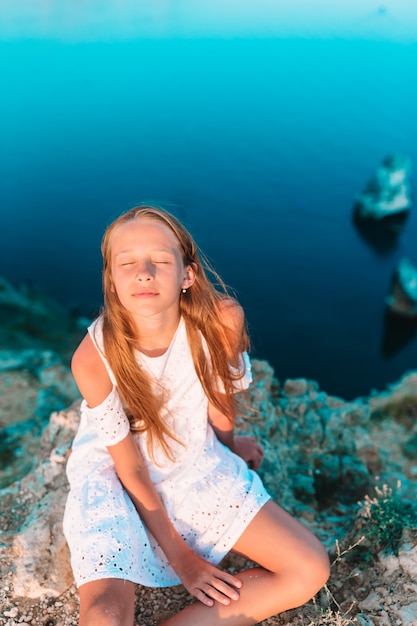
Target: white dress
x=209 y=492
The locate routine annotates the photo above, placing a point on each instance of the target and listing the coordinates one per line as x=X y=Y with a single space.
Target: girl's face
x=147 y=269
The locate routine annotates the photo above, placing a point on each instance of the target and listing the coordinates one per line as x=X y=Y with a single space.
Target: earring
x=184 y=290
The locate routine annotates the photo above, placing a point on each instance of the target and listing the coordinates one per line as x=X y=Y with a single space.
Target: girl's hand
x=206 y=582
x=250 y=450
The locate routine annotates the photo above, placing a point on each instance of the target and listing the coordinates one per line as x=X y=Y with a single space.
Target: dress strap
x=95 y=330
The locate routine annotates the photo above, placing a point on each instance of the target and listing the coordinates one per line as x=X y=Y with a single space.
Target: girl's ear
x=189 y=276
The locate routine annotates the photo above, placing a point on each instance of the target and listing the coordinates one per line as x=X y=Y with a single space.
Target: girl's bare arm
x=223 y=426
x=246 y=447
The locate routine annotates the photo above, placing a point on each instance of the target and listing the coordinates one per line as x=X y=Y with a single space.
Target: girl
x=160 y=489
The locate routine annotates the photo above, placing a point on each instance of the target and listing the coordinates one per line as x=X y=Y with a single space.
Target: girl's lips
x=145 y=294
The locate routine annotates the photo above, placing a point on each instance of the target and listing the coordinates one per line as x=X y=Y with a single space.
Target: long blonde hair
x=201 y=310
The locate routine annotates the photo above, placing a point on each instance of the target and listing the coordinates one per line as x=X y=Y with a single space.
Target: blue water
x=259 y=144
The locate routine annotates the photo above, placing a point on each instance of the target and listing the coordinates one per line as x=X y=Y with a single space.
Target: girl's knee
x=106 y=614
x=101 y=616
x=321 y=567
x=314 y=572
x=307 y=573
x=107 y=604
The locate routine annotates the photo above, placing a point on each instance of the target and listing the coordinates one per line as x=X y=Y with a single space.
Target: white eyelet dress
x=209 y=492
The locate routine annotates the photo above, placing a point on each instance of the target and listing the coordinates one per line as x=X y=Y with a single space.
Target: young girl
x=161 y=489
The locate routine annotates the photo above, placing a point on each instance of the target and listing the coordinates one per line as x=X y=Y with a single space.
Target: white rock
x=407 y=558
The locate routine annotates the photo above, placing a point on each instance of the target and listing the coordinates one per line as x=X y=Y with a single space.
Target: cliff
x=323 y=457
x=347 y=470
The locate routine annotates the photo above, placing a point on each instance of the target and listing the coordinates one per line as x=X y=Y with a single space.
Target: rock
x=320 y=456
x=20 y=299
x=402 y=298
x=29 y=319
x=363 y=620
x=388 y=192
x=33 y=551
x=408 y=615
x=295 y=387
x=372 y=603
x=33 y=384
x=407 y=557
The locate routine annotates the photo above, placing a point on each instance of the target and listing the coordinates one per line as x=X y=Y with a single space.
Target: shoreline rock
x=402 y=297
x=322 y=455
x=388 y=192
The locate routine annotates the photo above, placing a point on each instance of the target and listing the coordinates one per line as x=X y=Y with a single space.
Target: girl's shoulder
x=232 y=314
x=89 y=365
x=232 y=319
x=91 y=347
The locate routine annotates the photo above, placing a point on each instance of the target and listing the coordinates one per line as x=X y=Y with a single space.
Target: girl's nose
x=144 y=272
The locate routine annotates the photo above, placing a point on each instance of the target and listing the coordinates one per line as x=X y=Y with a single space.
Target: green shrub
x=386 y=516
x=403 y=410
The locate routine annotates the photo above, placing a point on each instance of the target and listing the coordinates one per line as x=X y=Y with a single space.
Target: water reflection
x=398 y=331
x=381 y=235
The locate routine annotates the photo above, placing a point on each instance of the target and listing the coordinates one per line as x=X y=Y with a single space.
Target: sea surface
x=258 y=140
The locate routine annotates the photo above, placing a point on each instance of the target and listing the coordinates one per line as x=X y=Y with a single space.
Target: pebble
x=12 y=613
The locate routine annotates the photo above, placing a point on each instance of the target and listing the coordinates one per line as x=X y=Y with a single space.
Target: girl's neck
x=155 y=338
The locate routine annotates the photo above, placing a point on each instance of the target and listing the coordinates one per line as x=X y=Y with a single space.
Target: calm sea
x=260 y=144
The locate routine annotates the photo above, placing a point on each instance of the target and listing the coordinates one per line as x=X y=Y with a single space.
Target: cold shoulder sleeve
x=109 y=418
x=244 y=370
x=242 y=375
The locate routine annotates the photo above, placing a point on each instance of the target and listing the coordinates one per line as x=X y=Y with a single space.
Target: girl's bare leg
x=293 y=566
x=107 y=602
